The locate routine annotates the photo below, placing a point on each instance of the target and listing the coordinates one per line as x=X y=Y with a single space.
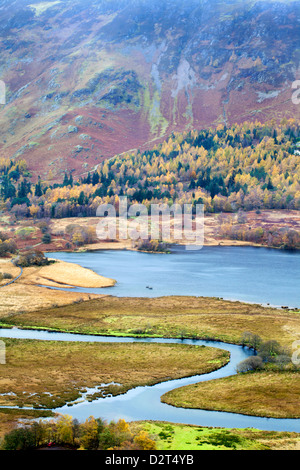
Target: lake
x=256 y=275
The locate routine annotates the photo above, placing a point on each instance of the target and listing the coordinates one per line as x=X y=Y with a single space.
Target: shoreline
x=270 y=220
x=35 y=288
x=113 y=246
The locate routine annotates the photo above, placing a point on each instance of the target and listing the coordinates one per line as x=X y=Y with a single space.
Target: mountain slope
x=89 y=79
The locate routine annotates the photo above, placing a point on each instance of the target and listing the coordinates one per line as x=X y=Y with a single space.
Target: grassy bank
x=267 y=394
x=50 y=374
x=203 y=318
x=62 y=274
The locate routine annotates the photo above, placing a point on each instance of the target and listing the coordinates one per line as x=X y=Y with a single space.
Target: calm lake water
x=256 y=275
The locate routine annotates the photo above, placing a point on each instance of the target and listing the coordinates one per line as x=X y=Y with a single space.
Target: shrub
x=81 y=235
x=25 y=232
x=250 y=364
x=222 y=438
x=152 y=246
x=270 y=350
x=31 y=258
x=3 y=237
x=251 y=340
x=43 y=226
x=19 y=439
x=8 y=246
x=7 y=276
x=46 y=239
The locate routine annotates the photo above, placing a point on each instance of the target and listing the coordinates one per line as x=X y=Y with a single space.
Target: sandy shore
x=27 y=295
x=62 y=274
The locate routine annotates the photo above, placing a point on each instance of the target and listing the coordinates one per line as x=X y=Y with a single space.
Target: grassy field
x=267 y=394
x=50 y=374
x=169 y=436
x=267 y=219
x=203 y=318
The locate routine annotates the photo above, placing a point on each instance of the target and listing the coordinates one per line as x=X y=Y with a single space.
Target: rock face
x=128 y=73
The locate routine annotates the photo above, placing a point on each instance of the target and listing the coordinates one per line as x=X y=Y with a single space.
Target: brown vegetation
x=274 y=395
x=50 y=374
x=243 y=228
x=190 y=317
x=26 y=295
x=62 y=274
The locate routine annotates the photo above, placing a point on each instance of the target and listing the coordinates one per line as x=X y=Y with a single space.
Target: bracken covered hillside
x=90 y=79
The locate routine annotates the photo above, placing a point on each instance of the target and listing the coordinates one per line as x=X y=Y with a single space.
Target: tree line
x=251 y=166
x=92 y=434
x=269 y=355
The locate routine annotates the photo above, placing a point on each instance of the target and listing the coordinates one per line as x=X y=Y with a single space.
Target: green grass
x=169 y=436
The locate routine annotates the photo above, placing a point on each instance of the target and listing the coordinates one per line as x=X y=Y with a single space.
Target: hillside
x=250 y=167
x=88 y=79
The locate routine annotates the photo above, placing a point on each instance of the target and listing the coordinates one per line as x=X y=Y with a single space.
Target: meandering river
x=143 y=403
x=247 y=274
